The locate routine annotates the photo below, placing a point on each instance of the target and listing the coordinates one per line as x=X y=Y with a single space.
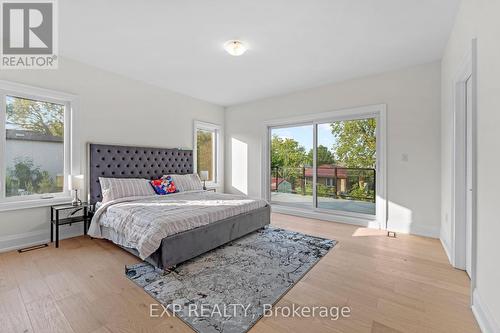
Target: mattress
x=142 y=222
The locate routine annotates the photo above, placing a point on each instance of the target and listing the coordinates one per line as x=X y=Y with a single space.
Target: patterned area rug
x=228 y=289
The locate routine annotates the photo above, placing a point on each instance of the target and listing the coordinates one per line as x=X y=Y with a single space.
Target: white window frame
x=217 y=160
x=377 y=111
x=70 y=153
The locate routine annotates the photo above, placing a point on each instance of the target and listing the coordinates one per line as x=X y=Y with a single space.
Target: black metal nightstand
x=71 y=218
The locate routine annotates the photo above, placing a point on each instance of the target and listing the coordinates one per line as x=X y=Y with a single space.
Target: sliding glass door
x=326 y=166
x=345 y=166
x=291 y=166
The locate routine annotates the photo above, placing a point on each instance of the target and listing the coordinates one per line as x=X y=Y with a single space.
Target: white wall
x=477 y=18
x=113 y=109
x=413 y=119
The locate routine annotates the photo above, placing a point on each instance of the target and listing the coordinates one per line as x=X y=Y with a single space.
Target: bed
x=193 y=222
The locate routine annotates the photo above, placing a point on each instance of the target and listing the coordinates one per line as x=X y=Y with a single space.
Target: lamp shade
x=204 y=175
x=75 y=182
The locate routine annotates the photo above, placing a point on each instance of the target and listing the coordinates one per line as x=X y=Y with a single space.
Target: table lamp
x=75 y=183
x=204 y=177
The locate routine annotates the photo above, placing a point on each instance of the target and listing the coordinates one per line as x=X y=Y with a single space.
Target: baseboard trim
x=483 y=316
x=447 y=251
x=37 y=237
x=418 y=230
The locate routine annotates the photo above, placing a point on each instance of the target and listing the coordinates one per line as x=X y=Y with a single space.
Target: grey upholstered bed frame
x=152 y=163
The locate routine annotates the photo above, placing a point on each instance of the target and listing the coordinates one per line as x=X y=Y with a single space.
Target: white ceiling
x=294 y=44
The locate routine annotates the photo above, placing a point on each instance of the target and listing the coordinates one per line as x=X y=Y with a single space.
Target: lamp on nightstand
x=75 y=183
x=204 y=177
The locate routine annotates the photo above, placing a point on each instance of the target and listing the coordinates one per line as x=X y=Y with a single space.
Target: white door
x=469 y=187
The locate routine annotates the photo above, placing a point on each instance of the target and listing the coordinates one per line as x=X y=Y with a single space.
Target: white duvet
x=142 y=222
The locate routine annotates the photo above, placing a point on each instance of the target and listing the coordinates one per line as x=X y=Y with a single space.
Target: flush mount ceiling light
x=235 y=47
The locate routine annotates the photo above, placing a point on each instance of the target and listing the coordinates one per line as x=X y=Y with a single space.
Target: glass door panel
x=291 y=166
x=346 y=166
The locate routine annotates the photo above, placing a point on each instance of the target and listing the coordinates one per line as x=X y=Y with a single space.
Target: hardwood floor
x=391 y=285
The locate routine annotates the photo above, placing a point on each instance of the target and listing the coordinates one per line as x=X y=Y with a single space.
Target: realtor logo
x=29 y=39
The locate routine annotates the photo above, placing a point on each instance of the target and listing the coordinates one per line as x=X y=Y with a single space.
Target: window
x=332 y=163
x=313 y=174
x=34 y=146
x=206 y=139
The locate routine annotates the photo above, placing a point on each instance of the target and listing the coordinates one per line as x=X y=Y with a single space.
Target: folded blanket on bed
x=142 y=222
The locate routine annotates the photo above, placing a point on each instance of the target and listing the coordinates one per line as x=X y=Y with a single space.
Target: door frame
x=459 y=167
x=377 y=111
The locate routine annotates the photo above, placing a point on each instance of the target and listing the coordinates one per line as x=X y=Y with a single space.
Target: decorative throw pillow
x=189 y=182
x=164 y=185
x=116 y=188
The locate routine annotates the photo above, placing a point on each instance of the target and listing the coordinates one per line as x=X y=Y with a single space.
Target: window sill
x=34 y=203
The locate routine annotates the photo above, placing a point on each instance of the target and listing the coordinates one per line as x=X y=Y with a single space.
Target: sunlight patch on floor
x=365 y=232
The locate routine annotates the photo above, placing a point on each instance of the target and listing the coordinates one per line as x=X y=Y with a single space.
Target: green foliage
x=361 y=185
x=354 y=147
x=204 y=152
x=361 y=192
x=26 y=172
x=29 y=178
x=41 y=117
x=288 y=157
x=47 y=184
x=287 y=153
x=324 y=156
x=11 y=185
x=306 y=191
x=356 y=143
x=322 y=189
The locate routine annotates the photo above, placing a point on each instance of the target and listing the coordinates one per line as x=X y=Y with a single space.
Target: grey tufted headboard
x=134 y=162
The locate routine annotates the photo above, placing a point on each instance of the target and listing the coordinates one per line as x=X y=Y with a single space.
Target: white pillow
x=115 y=188
x=189 y=182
